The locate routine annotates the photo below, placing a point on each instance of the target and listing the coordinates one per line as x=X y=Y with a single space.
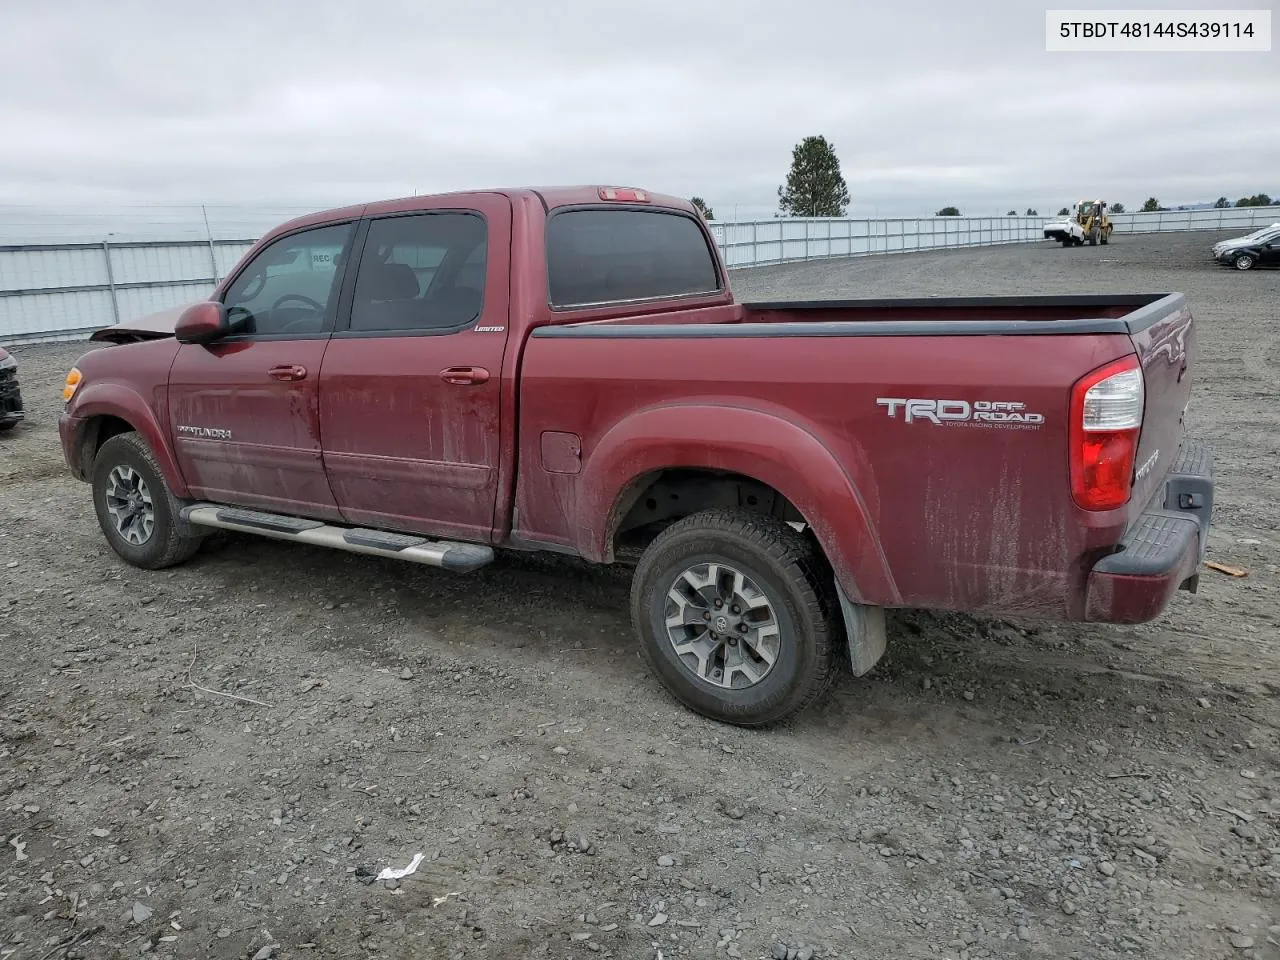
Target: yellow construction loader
x=1089 y=222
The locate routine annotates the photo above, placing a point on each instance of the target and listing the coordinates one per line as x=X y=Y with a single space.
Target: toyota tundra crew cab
x=431 y=379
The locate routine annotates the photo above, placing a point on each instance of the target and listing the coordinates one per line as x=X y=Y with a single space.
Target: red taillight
x=623 y=195
x=1106 y=419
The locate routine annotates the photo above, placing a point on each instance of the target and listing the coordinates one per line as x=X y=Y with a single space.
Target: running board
x=458 y=557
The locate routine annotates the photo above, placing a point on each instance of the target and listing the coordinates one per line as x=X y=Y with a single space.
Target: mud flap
x=865 y=631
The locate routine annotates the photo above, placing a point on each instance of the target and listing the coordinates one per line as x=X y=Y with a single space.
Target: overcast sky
x=320 y=102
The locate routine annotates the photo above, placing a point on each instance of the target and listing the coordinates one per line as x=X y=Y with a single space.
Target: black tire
x=1244 y=261
x=791 y=574
x=6 y=427
x=166 y=545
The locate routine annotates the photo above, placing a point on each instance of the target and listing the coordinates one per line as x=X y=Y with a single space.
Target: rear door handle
x=465 y=376
x=288 y=371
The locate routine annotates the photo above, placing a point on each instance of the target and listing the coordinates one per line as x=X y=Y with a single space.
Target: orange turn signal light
x=73 y=380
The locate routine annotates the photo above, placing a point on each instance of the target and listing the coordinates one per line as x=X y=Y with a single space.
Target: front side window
x=422 y=272
x=289 y=286
x=612 y=256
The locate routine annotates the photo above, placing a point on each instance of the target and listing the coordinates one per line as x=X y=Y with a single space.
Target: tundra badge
x=209 y=433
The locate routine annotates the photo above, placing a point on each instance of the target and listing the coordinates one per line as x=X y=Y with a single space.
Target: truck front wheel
x=136 y=511
x=733 y=616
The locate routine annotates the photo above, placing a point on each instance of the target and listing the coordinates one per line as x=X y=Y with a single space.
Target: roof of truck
x=549 y=197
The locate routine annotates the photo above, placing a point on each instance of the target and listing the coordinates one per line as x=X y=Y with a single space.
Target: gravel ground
x=992 y=789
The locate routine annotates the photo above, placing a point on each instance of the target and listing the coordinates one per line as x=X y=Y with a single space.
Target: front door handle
x=288 y=371
x=465 y=376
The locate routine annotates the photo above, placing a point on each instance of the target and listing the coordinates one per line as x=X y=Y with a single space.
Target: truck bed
x=934 y=514
x=1090 y=313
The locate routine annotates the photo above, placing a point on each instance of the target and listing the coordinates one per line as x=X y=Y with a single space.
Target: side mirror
x=202 y=323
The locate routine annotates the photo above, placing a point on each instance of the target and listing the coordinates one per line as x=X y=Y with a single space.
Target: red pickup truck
x=432 y=378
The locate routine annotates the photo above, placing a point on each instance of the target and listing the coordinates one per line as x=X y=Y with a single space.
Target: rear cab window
x=597 y=257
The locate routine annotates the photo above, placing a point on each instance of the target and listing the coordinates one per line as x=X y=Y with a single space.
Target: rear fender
x=105 y=398
x=756 y=444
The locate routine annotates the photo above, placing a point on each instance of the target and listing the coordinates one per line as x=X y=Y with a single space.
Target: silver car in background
x=1226 y=251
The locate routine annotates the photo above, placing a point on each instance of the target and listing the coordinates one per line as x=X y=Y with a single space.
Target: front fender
x=757 y=444
x=114 y=399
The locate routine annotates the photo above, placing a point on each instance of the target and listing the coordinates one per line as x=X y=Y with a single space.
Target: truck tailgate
x=1164 y=347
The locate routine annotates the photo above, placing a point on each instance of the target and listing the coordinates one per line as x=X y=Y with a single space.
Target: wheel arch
x=757 y=448
x=106 y=410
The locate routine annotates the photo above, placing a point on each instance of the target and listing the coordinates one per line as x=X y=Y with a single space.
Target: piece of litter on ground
x=436 y=901
x=1237 y=813
x=1225 y=568
x=21 y=847
x=389 y=873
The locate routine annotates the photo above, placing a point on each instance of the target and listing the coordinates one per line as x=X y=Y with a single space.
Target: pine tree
x=814 y=186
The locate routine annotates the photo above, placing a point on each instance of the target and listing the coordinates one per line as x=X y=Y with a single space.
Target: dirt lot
x=993 y=789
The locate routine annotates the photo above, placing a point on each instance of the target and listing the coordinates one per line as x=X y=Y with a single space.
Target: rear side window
x=610 y=256
x=422 y=272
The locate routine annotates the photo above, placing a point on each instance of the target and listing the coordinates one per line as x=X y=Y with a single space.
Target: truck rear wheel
x=733 y=616
x=137 y=512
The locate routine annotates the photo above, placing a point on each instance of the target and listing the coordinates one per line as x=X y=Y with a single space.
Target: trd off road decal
x=1006 y=414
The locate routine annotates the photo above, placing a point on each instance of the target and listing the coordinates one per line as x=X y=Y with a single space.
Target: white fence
x=1219 y=218
x=60 y=291
x=64 y=291
x=758 y=242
